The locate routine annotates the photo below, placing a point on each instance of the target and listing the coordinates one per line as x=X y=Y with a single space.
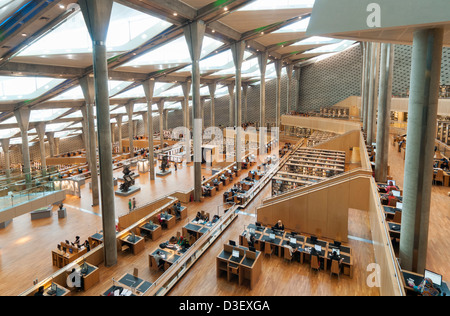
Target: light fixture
x=24 y=34
x=225 y=9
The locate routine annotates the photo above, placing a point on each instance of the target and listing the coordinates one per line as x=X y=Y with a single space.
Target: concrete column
x=88 y=88
x=367 y=88
x=194 y=33
x=23 y=118
x=130 y=109
x=212 y=93
x=119 y=129
x=166 y=120
x=85 y=135
x=372 y=115
x=145 y=121
x=422 y=114
x=231 y=109
x=149 y=89
x=51 y=141
x=113 y=138
x=40 y=129
x=244 y=96
x=364 y=64
x=262 y=60
x=5 y=147
x=297 y=74
x=97 y=15
x=161 y=121
x=202 y=103
x=186 y=86
x=57 y=146
x=278 y=68
x=290 y=72
x=384 y=112
x=238 y=50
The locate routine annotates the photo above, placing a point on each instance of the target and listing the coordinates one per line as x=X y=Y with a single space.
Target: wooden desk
x=394 y=233
x=136 y=246
x=196 y=229
x=91 y=278
x=60 y=258
x=127 y=281
x=153 y=231
x=95 y=240
x=247 y=266
x=170 y=256
x=169 y=219
x=418 y=278
x=60 y=291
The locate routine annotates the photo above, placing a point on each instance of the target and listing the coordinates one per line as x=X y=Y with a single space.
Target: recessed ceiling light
x=175 y=14
x=61 y=6
x=24 y=34
x=225 y=9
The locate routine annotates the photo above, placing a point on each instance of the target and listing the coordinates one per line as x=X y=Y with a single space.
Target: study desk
x=382 y=187
x=95 y=240
x=418 y=278
x=152 y=231
x=390 y=211
x=128 y=281
x=446 y=181
x=394 y=230
x=183 y=212
x=137 y=245
x=196 y=229
x=168 y=255
x=60 y=291
x=60 y=258
x=302 y=246
x=91 y=277
x=168 y=219
x=247 y=266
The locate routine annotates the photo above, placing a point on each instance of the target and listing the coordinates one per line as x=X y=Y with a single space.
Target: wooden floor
x=25 y=246
x=438 y=255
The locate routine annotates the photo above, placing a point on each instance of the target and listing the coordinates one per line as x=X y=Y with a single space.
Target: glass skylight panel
x=18 y=140
x=174 y=52
x=46 y=115
x=300 y=26
x=332 y=48
x=23 y=88
x=278 y=4
x=317 y=40
x=62 y=134
x=75 y=93
x=8 y=133
x=128 y=29
x=76 y=114
x=57 y=127
x=11 y=120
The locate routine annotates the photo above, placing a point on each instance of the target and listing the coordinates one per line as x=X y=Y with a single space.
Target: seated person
x=251 y=240
x=206 y=191
x=198 y=217
x=444 y=164
x=426 y=288
x=392 y=200
x=279 y=225
x=390 y=187
x=335 y=256
x=173 y=240
x=215 y=218
x=159 y=260
x=234 y=189
x=162 y=222
x=176 y=209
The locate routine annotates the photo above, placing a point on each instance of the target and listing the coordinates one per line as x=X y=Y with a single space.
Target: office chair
x=315 y=265
x=287 y=255
x=335 y=268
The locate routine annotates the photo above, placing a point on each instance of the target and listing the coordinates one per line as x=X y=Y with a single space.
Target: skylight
x=128 y=29
x=23 y=88
x=46 y=115
x=8 y=133
x=300 y=26
x=278 y=4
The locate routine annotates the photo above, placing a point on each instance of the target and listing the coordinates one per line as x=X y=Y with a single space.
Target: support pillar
x=278 y=68
x=161 y=121
x=87 y=85
x=5 y=147
x=367 y=88
x=97 y=15
x=194 y=33
x=231 y=108
x=244 y=96
x=290 y=72
x=23 y=118
x=119 y=128
x=262 y=60
x=372 y=115
x=145 y=121
x=212 y=93
x=40 y=129
x=422 y=115
x=186 y=86
x=51 y=141
x=238 y=49
x=130 y=109
x=149 y=89
x=113 y=138
x=384 y=112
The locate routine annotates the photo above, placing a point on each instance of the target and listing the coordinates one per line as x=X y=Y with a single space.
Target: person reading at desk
x=426 y=288
x=279 y=225
x=392 y=200
x=444 y=164
x=40 y=291
x=390 y=187
x=198 y=217
x=159 y=260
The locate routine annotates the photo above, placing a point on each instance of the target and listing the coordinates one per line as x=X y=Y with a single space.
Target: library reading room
x=224 y=148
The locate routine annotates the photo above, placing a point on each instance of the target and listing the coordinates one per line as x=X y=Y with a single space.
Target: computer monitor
x=235 y=254
x=292 y=240
x=258 y=224
x=337 y=244
x=337 y=251
x=272 y=236
x=396 y=193
x=53 y=287
x=59 y=247
x=434 y=277
x=313 y=239
x=399 y=205
x=70 y=250
x=64 y=249
x=391 y=181
x=318 y=248
x=232 y=243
